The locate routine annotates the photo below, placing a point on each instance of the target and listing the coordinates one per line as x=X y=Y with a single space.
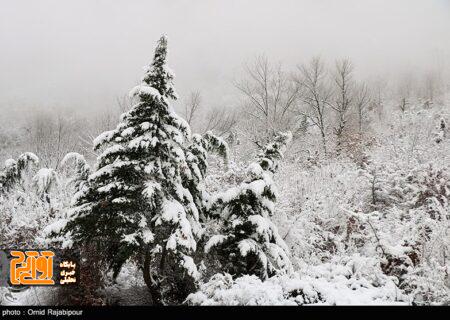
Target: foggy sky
x=83 y=54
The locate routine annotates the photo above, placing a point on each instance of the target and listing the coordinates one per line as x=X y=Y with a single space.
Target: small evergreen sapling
x=82 y=170
x=44 y=180
x=440 y=133
x=196 y=159
x=249 y=242
x=13 y=171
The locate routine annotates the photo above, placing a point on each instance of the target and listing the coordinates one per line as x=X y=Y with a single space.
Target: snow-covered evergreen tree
x=135 y=203
x=43 y=181
x=441 y=131
x=82 y=170
x=249 y=242
x=196 y=158
x=13 y=171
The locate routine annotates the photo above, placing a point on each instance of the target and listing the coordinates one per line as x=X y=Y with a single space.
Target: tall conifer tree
x=135 y=202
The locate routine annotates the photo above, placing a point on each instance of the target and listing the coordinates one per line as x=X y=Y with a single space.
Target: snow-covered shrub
x=33 y=202
x=315 y=206
x=391 y=204
x=354 y=280
x=410 y=193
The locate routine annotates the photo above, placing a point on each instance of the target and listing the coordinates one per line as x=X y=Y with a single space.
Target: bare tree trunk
x=151 y=283
x=324 y=142
x=362 y=101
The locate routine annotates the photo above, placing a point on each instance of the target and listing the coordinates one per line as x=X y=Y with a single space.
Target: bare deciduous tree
x=316 y=95
x=51 y=136
x=124 y=103
x=362 y=102
x=343 y=80
x=404 y=91
x=269 y=96
x=102 y=120
x=431 y=87
x=378 y=87
x=220 y=120
x=192 y=106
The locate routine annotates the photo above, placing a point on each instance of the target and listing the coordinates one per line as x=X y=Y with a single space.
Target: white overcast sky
x=83 y=54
